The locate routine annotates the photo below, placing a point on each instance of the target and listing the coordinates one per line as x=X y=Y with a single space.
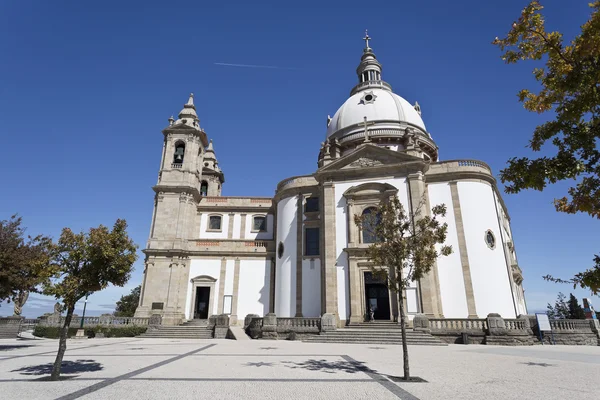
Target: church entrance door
x=377 y=297
x=201 y=303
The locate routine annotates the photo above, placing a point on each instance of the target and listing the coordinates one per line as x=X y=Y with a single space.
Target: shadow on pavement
x=330 y=367
x=68 y=367
x=9 y=347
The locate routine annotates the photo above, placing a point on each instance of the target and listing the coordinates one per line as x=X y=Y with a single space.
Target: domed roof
x=381 y=107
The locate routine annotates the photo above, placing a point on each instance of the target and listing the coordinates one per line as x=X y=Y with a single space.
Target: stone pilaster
x=329 y=296
x=222 y=275
x=230 y=227
x=462 y=248
x=299 y=253
x=236 y=288
x=420 y=208
x=243 y=226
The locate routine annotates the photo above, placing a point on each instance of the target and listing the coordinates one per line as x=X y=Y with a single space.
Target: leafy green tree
x=128 y=303
x=560 y=310
x=406 y=248
x=575 y=310
x=24 y=260
x=85 y=263
x=568 y=78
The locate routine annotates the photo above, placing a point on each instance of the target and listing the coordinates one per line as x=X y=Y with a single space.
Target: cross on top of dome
x=366 y=39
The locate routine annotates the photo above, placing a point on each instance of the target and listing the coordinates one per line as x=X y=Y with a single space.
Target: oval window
x=280 y=250
x=490 y=239
x=368 y=97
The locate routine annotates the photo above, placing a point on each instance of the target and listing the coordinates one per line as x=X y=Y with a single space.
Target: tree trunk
x=62 y=344
x=403 y=330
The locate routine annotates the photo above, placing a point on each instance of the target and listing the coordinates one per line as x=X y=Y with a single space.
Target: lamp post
x=83 y=316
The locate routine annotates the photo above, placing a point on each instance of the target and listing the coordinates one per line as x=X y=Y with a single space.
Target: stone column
x=356 y=313
x=328 y=250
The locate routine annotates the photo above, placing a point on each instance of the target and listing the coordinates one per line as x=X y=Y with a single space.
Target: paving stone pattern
x=145 y=368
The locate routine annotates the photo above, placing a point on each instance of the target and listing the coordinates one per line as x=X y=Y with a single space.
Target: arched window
x=179 y=153
x=371 y=218
x=204 y=188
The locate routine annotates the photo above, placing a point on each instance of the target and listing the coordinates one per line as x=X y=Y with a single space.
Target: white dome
x=386 y=106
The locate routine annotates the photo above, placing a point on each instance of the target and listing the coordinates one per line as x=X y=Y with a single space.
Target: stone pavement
x=134 y=368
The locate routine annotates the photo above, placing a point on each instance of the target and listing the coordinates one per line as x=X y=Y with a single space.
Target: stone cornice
x=164 y=189
x=185 y=129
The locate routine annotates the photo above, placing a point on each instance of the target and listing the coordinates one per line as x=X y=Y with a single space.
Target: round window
x=206 y=164
x=490 y=239
x=369 y=97
x=280 y=250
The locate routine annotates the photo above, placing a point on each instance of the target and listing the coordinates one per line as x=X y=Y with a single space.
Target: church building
x=299 y=253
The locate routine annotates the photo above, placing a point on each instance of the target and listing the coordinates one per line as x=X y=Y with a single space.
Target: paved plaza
x=133 y=368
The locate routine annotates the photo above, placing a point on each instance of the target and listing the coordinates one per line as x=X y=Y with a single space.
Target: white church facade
x=299 y=254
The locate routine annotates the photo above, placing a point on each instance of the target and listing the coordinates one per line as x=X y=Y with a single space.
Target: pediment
x=370 y=156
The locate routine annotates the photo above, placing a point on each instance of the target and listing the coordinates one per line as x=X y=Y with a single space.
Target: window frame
x=254 y=230
x=312 y=198
x=177 y=144
x=318 y=247
x=208 y=228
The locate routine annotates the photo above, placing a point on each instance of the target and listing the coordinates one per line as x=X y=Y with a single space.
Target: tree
x=575 y=310
x=560 y=309
x=85 y=263
x=405 y=249
x=569 y=89
x=128 y=303
x=24 y=261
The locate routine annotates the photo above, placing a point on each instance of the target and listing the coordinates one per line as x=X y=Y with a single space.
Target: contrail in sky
x=252 y=66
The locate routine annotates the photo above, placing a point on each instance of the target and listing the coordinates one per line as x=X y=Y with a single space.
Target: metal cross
x=366 y=124
x=366 y=38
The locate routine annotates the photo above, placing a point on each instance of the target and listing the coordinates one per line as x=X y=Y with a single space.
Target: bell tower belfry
x=212 y=176
x=174 y=218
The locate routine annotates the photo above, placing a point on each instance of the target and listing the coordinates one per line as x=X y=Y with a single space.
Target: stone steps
x=179 y=332
x=375 y=335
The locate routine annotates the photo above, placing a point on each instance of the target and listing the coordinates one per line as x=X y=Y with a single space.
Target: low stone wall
x=10 y=327
x=90 y=322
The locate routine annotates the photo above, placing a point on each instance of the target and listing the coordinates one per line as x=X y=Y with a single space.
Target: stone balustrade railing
x=299 y=322
x=562 y=325
x=457 y=324
x=101 y=320
x=516 y=324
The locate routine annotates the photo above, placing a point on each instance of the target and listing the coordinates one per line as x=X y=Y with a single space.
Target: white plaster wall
x=452 y=284
x=268 y=235
x=214 y=235
x=311 y=287
x=254 y=286
x=489 y=273
x=199 y=267
x=285 y=276
x=237 y=226
x=341 y=235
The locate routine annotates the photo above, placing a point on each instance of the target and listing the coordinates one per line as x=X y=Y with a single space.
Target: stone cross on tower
x=366 y=124
x=366 y=39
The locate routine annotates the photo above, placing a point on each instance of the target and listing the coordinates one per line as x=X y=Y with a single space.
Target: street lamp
x=84 y=306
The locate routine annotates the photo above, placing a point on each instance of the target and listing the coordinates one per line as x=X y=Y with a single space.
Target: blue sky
x=88 y=86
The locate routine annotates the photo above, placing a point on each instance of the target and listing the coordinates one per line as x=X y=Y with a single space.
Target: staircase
x=194 y=329
x=378 y=332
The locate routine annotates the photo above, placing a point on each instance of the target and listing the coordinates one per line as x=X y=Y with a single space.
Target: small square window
x=311 y=242
x=312 y=204
x=214 y=223
x=259 y=224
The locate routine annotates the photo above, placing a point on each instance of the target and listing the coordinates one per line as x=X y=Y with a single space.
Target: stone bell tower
x=174 y=220
x=212 y=176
